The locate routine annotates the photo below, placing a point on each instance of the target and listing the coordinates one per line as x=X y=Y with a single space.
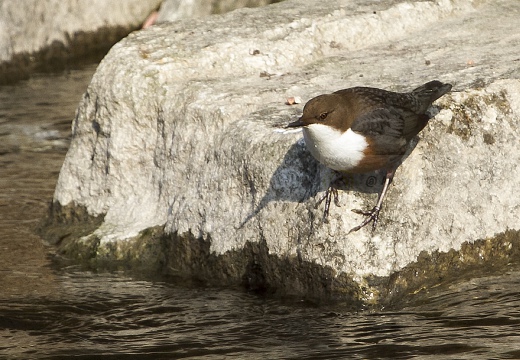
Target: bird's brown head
x=328 y=109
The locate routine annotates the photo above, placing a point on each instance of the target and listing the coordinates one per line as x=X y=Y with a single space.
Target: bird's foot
x=371 y=217
x=332 y=192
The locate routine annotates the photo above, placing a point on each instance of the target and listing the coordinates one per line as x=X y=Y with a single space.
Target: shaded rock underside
x=187 y=258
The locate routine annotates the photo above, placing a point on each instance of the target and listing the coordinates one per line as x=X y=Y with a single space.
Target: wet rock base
x=485 y=257
x=255 y=269
x=189 y=259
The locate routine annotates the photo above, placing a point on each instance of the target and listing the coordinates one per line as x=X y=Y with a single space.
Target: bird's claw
x=331 y=193
x=372 y=216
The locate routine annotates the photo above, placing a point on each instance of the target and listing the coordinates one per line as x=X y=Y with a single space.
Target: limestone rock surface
x=173 y=10
x=181 y=129
x=31 y=25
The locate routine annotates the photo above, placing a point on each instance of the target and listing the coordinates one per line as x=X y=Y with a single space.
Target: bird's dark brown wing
x=384 y=127
x=402 y=115
x=416 y=101
x=412 y=106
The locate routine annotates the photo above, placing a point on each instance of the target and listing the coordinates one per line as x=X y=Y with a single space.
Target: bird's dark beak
x=296 y=123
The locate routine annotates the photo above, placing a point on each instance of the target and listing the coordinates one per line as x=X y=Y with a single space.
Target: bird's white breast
x=337 y=150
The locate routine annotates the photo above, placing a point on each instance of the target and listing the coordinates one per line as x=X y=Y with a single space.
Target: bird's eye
x=323 y=116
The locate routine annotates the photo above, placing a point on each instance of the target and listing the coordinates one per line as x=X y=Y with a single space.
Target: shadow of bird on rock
x=300 y=177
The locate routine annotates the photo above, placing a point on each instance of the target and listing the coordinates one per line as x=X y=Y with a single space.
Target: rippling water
x=49 y=313
x=111 y=315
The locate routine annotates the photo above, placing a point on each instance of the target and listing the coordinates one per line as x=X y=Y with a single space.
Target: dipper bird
x=363 y=129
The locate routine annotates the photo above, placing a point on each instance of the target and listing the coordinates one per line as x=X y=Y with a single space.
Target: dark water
x=110 y=316
x=52 y=313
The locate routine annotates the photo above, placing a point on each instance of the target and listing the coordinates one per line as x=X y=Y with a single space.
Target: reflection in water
x=105 y=315
x=46 y=313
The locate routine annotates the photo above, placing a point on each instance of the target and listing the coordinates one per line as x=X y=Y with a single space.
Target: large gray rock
x=53 y=35
x=30 y=25
x=180 y=132
x=173 y=10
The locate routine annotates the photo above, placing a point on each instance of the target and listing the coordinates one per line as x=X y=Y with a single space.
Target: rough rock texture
x=173 y=10
x=180 y=131
x=35 y=31
x=29 y=26
x=33 y=24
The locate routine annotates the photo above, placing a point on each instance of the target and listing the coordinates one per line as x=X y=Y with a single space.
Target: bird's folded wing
x=384 y=129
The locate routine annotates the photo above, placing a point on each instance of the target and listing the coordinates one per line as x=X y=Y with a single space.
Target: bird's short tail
x=432 y=90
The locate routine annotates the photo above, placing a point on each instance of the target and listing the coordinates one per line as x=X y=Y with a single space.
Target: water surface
x=111 y=315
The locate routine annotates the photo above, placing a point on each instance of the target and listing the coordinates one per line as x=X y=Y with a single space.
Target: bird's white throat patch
x=337 y=150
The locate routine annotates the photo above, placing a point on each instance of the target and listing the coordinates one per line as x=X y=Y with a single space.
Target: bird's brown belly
x=377 y=157
x=371 y=162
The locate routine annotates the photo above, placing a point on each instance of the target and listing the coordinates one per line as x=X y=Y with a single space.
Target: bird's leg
x=332 y=192
x=373 y=215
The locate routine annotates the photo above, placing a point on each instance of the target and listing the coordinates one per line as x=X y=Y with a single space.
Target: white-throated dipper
x=363 y=129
